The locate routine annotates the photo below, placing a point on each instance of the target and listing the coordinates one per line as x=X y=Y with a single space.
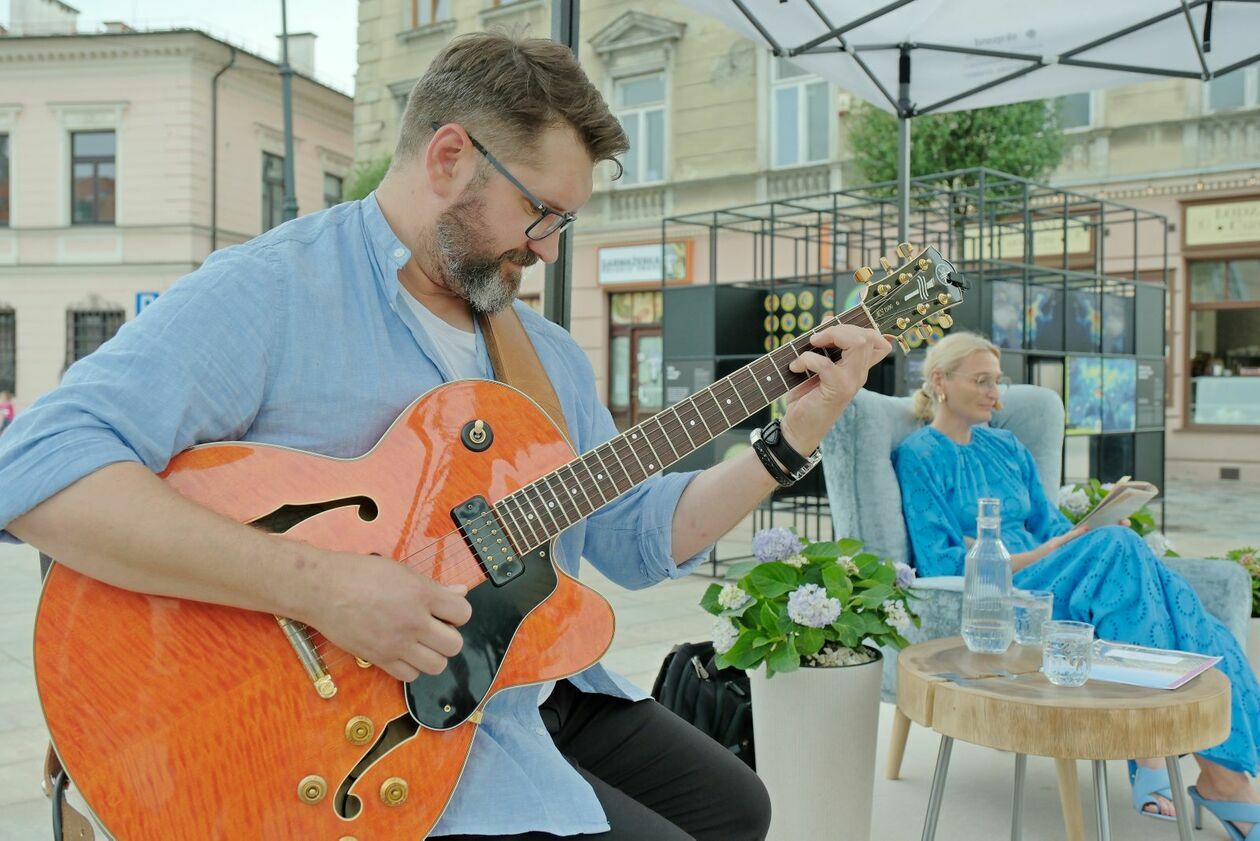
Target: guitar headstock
x=924 y=287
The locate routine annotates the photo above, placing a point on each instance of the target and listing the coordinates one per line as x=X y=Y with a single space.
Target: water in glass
x=1030 y=609
x=1065 y=652
x=987 y=622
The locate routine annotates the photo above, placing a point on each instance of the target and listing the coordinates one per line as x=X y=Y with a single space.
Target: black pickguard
x=496 y=614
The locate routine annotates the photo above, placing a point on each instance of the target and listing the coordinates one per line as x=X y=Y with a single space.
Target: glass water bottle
x=987 y=622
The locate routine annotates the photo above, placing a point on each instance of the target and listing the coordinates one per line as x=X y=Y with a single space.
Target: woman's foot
x=1218 y=783
x=1162 y=805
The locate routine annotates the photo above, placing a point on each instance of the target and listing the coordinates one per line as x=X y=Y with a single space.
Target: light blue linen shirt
x=301 y=338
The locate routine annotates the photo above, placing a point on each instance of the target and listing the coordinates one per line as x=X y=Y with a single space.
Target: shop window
x=1224 y=343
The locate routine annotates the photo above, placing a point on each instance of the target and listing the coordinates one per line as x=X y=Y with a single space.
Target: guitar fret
x=716 y=402
x=681 y=423
x=612 y=479
x=603 y=499
x=634 y=453
x=559 y=497
x=757 y=380
x=656 y=459
x=527 y=516
x=602 y=477
x=501 y=522
x=661 y=418
x=665 y=435
x=506 y=507
x=730 y=389
x=642 y=472
x=555 y=524
x=696 y=405
x=578 y=482
x=617 y=458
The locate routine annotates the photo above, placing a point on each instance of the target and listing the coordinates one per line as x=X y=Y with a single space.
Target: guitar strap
x=516 y=362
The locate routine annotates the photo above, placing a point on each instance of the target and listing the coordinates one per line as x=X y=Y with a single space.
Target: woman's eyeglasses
x=986 y=382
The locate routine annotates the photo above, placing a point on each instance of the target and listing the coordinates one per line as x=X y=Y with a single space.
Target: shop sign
x=644 y=263
x=1221 y=223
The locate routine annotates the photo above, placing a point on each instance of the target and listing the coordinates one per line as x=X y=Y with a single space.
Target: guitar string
x=432 y=551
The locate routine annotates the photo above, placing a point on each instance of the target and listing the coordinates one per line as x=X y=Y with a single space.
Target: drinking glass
x=1032 y=608
x=1065 y=651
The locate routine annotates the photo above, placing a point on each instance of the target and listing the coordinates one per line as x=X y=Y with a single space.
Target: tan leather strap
x=74 y=825
x=516 y=362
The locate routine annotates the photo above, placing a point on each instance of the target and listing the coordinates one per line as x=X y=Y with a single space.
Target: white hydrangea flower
x=1076 y=502
x=809 y=605
x=1107 y=486
x=847 y=564
x=1159 y=544
x=798 y=560
x=732 y=597
x=724 y=634
x=897 y=615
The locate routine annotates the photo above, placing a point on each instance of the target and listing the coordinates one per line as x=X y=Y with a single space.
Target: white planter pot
x=814 y=731
x=1253 y=644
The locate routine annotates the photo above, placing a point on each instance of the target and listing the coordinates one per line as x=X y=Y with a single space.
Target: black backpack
x=718 y=703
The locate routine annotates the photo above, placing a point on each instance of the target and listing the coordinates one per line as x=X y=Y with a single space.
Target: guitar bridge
x=488 y=542
x=295 y=633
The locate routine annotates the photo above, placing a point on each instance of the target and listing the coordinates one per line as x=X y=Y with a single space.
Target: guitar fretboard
x=542 y=509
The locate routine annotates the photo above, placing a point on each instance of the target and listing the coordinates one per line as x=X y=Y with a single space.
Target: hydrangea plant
x=1249 y=557
x=1076 y=501
x=808 y=605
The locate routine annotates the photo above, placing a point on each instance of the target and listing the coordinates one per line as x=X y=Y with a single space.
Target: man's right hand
x=388 y=614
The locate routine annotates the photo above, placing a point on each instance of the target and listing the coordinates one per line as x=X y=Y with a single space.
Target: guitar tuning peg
x=887 y=266
x=945 y=320
x=864 y=274
x=904 y=250
x=905 y=346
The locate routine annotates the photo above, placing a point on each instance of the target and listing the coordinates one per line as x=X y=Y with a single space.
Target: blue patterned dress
x=1108 y=577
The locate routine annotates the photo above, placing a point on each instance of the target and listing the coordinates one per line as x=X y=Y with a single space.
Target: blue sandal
x=1148 y=782
x=1227 y=811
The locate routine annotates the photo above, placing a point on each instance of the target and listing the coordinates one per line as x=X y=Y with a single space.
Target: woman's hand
x=1023 y=559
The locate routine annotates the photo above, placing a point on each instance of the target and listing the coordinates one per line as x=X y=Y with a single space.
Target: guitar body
x=182 y=720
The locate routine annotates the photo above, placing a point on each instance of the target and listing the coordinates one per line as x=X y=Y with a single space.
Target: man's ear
x=444 y=158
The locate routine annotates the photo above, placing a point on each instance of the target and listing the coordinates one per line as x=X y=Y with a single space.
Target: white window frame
x=417 y=14
x=802 y=117
x=1095 y=115
x=92 y=116
x=642 y=111
x=1251 y=93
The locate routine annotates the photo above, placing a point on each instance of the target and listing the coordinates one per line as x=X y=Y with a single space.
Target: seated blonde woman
x=1108 y=577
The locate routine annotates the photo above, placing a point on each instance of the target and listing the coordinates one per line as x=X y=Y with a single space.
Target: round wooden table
x=1002 y=701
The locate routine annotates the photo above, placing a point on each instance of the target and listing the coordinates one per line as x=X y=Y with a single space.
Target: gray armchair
x=865 y=500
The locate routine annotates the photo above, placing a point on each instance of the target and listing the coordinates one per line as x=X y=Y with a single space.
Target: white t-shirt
x=459 y=351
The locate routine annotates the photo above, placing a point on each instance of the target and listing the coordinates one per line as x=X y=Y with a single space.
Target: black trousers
x=657 y=777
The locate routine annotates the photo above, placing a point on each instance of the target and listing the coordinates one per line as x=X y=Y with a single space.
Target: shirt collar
x=389 y=251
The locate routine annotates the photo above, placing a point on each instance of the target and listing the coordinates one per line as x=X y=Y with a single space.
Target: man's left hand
x=815 y=405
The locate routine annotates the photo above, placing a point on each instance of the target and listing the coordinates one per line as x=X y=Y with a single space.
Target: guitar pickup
x=488 y=542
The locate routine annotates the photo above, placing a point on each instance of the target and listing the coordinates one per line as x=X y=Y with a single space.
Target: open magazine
x=1155 y=668
x=1121 y=502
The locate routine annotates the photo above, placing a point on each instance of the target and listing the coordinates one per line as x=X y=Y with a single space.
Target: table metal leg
x=938 y=788
x=1100 y=800
x=1017 y=810
x=1179 y=799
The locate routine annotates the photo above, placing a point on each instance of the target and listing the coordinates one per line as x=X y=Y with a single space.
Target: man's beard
x=478 y=278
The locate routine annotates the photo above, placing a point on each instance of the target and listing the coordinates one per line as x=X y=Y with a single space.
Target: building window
x=1076 y=111
x=1224 y=343
x=1240 y=89
x=89 y=329
x=272 y=191
x=8 y=351
x=92 y=182
x=4 y=181
x=332 y=190
x=800 y=116
x=640 y=104
x=426 y=12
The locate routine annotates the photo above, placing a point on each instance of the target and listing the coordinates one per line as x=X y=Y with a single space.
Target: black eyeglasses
x=549 y=221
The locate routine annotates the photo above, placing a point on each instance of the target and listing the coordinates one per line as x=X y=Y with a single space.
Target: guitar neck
x=542 y=509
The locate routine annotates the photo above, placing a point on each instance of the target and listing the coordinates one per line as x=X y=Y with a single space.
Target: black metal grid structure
x=1098 y=268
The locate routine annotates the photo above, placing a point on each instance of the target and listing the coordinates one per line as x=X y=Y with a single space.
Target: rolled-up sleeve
x=192 y=368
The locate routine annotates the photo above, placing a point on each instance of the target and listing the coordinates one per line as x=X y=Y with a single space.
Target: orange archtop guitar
x=182 y=720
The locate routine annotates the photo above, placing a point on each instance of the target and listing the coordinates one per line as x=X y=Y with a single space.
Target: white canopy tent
x=912 y=57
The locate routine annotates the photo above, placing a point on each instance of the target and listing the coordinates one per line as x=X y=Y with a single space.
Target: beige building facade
x=125 y=159
x=717 y=122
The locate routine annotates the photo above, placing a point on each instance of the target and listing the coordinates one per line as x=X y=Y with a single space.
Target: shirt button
x=541 y=731
x=398 y=252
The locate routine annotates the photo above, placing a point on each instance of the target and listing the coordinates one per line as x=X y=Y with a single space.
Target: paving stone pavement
x=1200 y=518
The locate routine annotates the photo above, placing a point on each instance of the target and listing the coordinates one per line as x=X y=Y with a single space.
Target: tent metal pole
x=903 y=146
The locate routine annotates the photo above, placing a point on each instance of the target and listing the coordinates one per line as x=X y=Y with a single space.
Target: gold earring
x=940 y=397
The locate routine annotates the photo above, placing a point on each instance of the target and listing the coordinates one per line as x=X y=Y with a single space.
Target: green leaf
x=739 y=570
x=709 y=601
x=768 y=617
x=741 y=655
x=810 y=641
x=773 y=579
x=784 y=658
x=836 y=582
x=875 y=596
x=849 y=547
x=826 y=551
x=867 y=564
x=848 y=629
x=884 y=574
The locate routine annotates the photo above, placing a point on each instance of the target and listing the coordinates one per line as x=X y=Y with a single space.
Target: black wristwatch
x=785 y=464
